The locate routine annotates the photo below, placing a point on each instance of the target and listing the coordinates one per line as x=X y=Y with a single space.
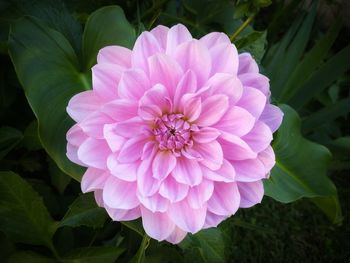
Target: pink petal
x=123 y=214
x=215 y=38
x=75 y=135
x=98 y=194
x=173 y=190
x=94 y=123
x=198 y=195
x=253 y=101
x=195 y=56
x=157 y=225
x=259 y=138
x=187 y=84
x=93 y=179
x=94 y=153
x=192 y=107
x=155 y=203
x=187 y=218
x=251 y=193
x=177 y=35
x=213 y=109
x=123 y=171
x=272 y=116
x=187 y=171
x=211 y=153
x=83 y=104
x=257 y=81
x=176 y=236
x=237 y=121
x=72 y=154
x=157 y=96
x=133 y=84
x=114 y=141
x=226 y=173
x=163 y=164
x=225 y=199
x=145 y=46
x=161 y=33
x=267 y=157
x=130 y=128
x=247 y=64
x=249 y=170
x=115 y=55
x=205 y=135
x=120 y=109
x=132 y=150
x=235 y=148
x=120 y=194
x=224 y=59
x=213 y=220
x=105 y=79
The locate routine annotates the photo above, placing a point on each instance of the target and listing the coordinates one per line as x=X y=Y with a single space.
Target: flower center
x=172 y=132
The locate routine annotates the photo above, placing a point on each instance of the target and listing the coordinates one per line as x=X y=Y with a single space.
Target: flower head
x=176 y=131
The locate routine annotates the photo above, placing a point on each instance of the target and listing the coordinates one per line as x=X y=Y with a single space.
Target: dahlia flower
x=176 y=131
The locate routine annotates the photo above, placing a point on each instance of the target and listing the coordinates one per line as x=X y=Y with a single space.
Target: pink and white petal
x=259 y=138
x=192 y=107
x=173 y=190
x=94 y=153
x=133 y=84
x=163 y=164
x=72 y=154
x=160 y=32
x=215 y=38
x=157 y=225
x=177 y=35
x=105 y=80
x=123 y=214
x=224 y=59
x=253 y=101
x=187 y=171
x=83 y=104
x=251 y=193
x=93 y=125
x=158 y=96
x=225 y=200
x=176 y=236
x=267 y=157
x=234 y=148
x=123 y=171
x=93 y=179
x=191 y=154
x=272 y=116
x=145 y=46
x=166 y=71
x=120 y=109
x=120 y=194
x=198 y=195
x=185 y=217
x=130 y=128
x=237 y=121
x=195 y=56
x=211 y=153
x=226 y=173
x=75 y=135
x=155 y=203
x=187 y=84
x=98 y=194
x=257 y=81
x=131 y=151
x=227 y=84
x=249 y=170
x=114 y=141
x=247 y=64
x=213 y=220
x=213 y=108
x=115 y=55
x=149 y=112
x=205 y=135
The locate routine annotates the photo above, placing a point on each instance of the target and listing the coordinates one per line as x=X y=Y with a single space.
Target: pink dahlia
x=176 y=131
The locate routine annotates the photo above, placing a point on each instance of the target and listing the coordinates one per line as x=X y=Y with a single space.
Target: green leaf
x=301 y=165
x=31 y=138
x=29 y=257
x=253 y=43
x=330 y=206
x=94 y=255
x=210 y=244
x=84 y=212
x=23 y=215
x=59 y=179
x=135 y=225
x=104 y=27
x=48 y=69
x=9 y=138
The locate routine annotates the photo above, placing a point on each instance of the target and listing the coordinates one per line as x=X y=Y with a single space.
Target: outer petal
x=198 y=195
x=213 y=109
x=123 y=214
x=114 y=141
x=173 y=190
x=93 y=179
x=187 y=171
x=75 y=135
x=132 y=150
x=213 y=220
x=224 y=59
x=176 y=35
x=130 y=128
x=259 y=138
x=94 y=153
x=225 y=199
x=272 y=116
x=155 y=203
x=212 y=154
x=123 y=171
x=120 y=109
x=115 y=55
x=120 y=194
x=267 y=157
x=226 y=173
x=72 y=154
x=247 y=64
x=163 y=164
x=176 y=236
x=157 y=225
x=251 y=193
x=161 y=34
x=83 y=104
x=133 y=84
x=215 y=38
x=235 y=148
x=257 y=81
x=253 y=101
x=249 y=170
x=94 y=123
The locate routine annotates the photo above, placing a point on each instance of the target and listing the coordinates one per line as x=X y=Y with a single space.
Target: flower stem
x=141 y=252
x=241 y=28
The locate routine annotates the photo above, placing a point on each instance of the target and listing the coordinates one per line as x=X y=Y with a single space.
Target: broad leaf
x=59 y=179
x=94 y=255
x=31 y=139
x=23 y=215
x=9 y=138
x=84 y=212
x=29 y=257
